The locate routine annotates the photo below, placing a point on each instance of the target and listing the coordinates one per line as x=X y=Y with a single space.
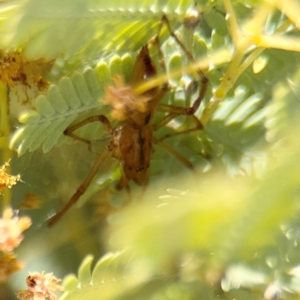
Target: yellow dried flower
x=40 y=287
x=15 y=68
x=9 y=67
x=123 y=100
x=9 y=265
x=11 y=228
x=7 y=180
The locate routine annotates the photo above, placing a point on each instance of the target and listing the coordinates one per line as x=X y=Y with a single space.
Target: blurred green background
x=228 y=232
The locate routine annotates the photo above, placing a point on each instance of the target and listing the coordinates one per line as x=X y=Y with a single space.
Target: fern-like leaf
x=71 y=98
x=122 y=24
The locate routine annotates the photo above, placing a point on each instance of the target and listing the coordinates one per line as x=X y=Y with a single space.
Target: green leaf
x=73 y=96
x=84 y=272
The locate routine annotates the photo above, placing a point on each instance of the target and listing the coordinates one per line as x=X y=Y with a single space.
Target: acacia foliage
x=222 y=237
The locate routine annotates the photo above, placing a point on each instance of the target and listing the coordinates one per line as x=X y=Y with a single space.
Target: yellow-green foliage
x=231 y=231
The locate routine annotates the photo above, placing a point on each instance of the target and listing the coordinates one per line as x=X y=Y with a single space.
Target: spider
x=132 y=142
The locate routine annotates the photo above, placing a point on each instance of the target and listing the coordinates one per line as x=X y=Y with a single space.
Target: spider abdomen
x=133 y=148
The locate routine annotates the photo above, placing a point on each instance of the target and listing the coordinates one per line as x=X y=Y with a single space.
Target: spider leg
x=186 y=131
x=123 y=183
x=203 y=79
x=197 y=126
x=69 y=132
x=81 y=189
x=164 y=121
x=100 y=118
x=176 y=154
x=172 y=110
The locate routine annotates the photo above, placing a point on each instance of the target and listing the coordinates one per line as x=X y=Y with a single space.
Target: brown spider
x=132 y=141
